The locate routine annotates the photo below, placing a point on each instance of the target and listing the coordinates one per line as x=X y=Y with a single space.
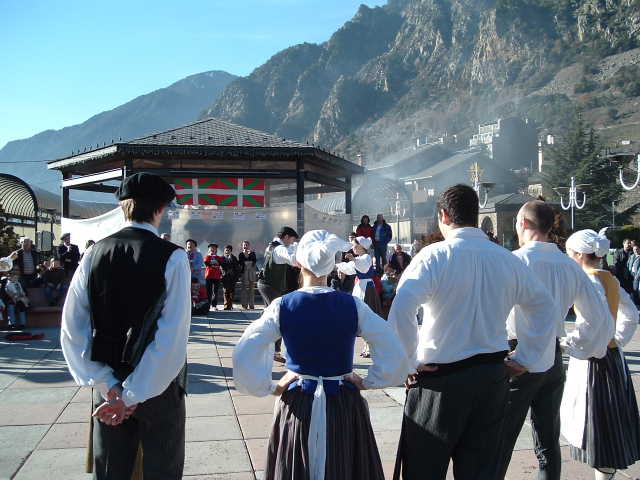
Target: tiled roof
x=214 y=132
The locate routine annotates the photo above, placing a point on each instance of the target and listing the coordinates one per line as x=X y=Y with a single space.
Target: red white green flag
x=223 y=192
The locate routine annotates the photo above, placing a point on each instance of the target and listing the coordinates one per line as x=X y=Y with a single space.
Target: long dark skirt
x=352 y=452
x=612 y=430
x=372 y=299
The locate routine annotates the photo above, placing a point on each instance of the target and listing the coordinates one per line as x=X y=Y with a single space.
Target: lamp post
x=481 y=188
x=635 y=184
x=398 y=210
x=573 y=198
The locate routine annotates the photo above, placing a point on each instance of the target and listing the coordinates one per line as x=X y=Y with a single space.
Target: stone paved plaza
x=44 y=416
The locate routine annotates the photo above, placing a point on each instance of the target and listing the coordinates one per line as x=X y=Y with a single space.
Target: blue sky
x=63 y=61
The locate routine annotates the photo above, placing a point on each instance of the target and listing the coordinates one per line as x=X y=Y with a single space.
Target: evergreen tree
x=577 y=152
x=8 y=238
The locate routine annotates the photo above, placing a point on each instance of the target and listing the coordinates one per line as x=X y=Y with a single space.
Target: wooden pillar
x=65 y=197
x=347 y=196
x=300 y=196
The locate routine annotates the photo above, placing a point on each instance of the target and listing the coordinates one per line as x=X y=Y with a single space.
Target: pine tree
x=577 y=152
x=8 y=238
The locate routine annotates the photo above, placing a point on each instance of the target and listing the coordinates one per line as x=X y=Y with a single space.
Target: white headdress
x=588 y=241
x=317 y=251
x=364 y=241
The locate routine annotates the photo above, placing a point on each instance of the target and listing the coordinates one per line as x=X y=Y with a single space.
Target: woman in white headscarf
x=321 y=429
x=599 y=414
x=361 y=265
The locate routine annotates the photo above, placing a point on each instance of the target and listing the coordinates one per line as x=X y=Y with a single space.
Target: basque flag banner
x=223 y=192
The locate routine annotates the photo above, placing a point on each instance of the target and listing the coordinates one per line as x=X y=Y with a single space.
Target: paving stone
x=378 y=398
x=387 y=418
x=223 y=476
x=83 y=395
x=68 y=463
x=213 y=457
x=30 y=413
x=524 y=465
x=205 y=387
x=256 y=426
x=258 y=452
x=66 y=435
x=248 y=405
x=201 y=429
x=209 y=405
x=45 y=378
x=15 y=396
x=75 y=413
x=16 y=443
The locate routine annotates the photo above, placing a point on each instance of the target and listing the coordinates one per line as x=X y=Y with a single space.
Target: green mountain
x=165 y=108
x=428 y=67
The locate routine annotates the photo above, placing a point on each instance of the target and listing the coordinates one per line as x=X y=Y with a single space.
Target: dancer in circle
x=321 y=429
x=599 y=413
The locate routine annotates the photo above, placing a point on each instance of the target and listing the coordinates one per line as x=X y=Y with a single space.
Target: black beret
x=145 y=185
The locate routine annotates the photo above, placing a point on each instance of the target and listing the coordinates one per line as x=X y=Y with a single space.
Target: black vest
x=127 y=291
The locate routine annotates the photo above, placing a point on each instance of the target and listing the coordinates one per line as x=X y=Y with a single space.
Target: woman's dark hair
x=214 y=245
x=191 y=240
x=287 y=231
x=461 y=204
x=362 y=220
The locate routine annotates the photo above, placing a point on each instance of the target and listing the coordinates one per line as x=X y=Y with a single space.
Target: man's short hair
x=229 y=247
x=540 y=215
x=626 y=240
x=214 y=245
x=23 y=239
x=191 y=240
x=461 y=204
x=143 y=209
x=287 y=231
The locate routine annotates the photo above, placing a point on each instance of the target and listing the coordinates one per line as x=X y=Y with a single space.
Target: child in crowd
x=199 y=299
x=17 y=302
x=213 y=273
x=54 y=285
x=389 y=285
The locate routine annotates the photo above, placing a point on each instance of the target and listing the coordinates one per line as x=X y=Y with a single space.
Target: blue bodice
x=319 y=331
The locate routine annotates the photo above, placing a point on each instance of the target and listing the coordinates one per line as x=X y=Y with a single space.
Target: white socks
x=605 y=473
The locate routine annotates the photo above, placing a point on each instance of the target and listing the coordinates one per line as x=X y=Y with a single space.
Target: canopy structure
x=18 y=201
x=213 y=149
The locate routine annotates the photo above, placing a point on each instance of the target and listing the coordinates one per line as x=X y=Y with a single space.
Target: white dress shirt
x=567 y=284
x=253 y=354
x=283 y=255
x=163 y=358
x=467 y=285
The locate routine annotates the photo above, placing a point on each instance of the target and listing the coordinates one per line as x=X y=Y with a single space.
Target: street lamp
x=481 y=188
x=635 y=184
x=399 y=210
x=573 y=198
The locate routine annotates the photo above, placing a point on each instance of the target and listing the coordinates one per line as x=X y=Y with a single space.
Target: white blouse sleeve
x=360 y=264
x=253 y=354
x=590 y=337
x=627 y=321
x=390 y=363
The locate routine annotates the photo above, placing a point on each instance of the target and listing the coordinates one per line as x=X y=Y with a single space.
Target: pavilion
x=213 y=148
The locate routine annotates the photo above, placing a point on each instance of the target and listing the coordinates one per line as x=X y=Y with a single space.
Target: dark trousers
x=456 y=416
x=158 y=425
x=213 y=287
x=229 y=291
x=543 y=393
x=380 y=254
x=269 y=294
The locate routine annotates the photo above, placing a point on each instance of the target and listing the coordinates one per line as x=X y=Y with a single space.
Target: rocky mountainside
x=426 y=67
x=168 y=107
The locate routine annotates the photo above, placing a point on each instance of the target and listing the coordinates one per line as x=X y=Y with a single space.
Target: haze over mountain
x=426 y=67
x=411 y=68
x=161 y=109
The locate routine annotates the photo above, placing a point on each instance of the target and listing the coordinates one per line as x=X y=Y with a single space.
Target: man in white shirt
x=279 y=273
x=568 y=285
x=467 y=286
x=125 y=326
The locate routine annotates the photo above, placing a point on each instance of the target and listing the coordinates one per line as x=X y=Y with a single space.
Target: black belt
x=514 y=343
x=480 y=359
